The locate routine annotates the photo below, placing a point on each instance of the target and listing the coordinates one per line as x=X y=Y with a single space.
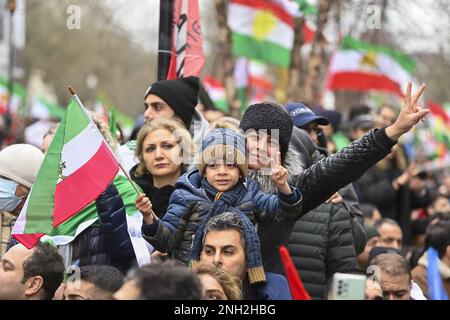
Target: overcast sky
x=140 y=18
x=426 y=26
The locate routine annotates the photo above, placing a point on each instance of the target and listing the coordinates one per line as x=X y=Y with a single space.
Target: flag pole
x=165 y=37
x=73 y=93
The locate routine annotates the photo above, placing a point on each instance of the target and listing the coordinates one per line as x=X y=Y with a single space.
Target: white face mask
x=8 y=199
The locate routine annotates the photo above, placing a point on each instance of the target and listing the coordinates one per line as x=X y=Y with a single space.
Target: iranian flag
x=261 y=30
x=17 y=99
x=216 y=92
x=45 y=110
x=362 y=66
x=77 y=168
x=240 y=75
x=307 y=7
x=447 y=108
x=259 y=85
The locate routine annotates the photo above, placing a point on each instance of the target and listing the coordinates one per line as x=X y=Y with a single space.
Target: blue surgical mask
x=8 y=199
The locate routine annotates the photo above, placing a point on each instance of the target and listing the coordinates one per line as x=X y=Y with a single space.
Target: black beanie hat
x=180 y=94
x=267 y=115
x=371 y=232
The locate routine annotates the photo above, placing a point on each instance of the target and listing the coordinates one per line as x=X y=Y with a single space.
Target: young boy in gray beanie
x=218 y=185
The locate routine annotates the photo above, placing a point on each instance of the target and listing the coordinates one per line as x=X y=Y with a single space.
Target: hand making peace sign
x=410 y=114
x=279 y=174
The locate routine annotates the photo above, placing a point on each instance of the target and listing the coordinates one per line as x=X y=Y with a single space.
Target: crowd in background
x=219 y=198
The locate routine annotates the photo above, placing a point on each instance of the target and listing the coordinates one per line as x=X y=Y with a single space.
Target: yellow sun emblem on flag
x=369 y=60
x=263 y=24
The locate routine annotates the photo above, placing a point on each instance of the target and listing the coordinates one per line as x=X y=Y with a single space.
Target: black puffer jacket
x=327 y=238
x=302 y=143
x=321 y=244
x=319 y=182
x=108 y=241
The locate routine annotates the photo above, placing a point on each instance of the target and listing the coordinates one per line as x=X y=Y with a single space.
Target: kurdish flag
x=440 y=128
x=77 y=168
x=261 y=30
x=216 y=92
x=362 y=66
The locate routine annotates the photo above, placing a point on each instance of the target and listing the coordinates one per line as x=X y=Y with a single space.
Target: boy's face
x=222 y=176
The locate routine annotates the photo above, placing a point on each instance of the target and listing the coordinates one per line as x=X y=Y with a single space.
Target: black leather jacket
x=321 y=180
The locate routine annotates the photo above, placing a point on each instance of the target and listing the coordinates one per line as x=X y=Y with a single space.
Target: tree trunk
x=224 y=59
x=295 y=79
x=316 y=62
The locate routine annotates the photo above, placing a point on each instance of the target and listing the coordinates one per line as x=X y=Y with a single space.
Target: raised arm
x=330 y=174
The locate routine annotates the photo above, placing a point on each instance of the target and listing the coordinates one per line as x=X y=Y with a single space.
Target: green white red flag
x=45 y=110
x=17 y=99
x=216 y=92
x=362 y=66
x=77 y=168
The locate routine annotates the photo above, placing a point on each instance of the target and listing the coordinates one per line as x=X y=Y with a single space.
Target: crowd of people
x=217 y=200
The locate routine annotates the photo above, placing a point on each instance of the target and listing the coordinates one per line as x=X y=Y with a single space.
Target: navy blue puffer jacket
x=189 y=204
x=106 y=242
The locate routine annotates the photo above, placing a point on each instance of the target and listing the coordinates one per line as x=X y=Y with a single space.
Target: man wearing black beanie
x=172 y=98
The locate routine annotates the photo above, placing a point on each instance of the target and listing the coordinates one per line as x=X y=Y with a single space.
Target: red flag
x=172 y=72
x=295 y=283
x=187 y=49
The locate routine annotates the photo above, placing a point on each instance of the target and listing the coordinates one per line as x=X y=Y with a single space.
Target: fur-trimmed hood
x=299 y=157
x=293 y=163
